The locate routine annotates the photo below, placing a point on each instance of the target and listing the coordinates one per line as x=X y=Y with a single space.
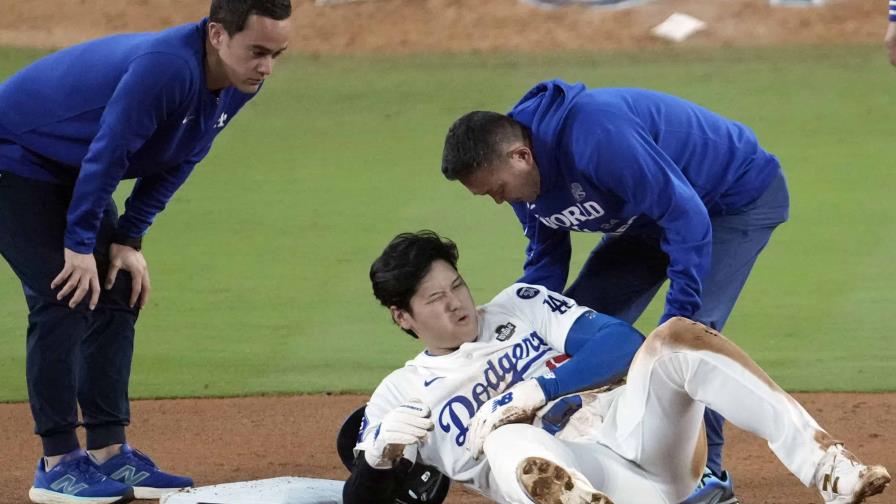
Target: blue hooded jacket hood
x=542 y=110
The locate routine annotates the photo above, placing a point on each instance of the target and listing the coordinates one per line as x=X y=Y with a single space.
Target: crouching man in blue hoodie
x=678 y=192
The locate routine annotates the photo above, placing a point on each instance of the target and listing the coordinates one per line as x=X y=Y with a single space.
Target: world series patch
x=504 y=331
x=527 y=292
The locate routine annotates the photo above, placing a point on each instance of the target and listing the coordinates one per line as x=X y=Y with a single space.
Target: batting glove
x=517 y=405
x=405 y=425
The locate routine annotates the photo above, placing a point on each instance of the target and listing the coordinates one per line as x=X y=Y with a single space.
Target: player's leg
x=737 y=240
x=621 y=276
x=32 y=224
x=684 y=363
x=530 y=465
x=106 y=355
x=106 y=352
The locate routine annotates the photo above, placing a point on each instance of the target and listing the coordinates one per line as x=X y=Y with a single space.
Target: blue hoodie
x=120 y=107
x=615 y=160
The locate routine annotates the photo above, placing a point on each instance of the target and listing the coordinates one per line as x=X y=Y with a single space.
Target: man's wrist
x=135 y=242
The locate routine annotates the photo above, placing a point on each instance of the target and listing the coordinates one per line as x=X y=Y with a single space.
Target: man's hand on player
x=78 y=278
x=890 y=41
x=123 y=257
x=517 y=405
x=405 y=425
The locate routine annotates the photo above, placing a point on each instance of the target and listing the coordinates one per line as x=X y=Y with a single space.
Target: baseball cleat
x=713 y=489
x=75 y=480
x=842 y=479
x=134 y=468
x=546 y=482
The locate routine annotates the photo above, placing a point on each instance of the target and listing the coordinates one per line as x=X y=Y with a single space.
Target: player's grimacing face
x=248 y=56
x=442 y=312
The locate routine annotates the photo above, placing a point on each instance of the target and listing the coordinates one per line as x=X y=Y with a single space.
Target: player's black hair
x=232 y=14
x=476 y=140
x=397 y=272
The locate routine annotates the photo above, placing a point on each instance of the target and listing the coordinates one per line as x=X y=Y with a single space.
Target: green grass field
x=259 y=264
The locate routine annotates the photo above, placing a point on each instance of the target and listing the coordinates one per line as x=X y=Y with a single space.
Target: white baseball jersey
x=643 y=442
x=520 y=331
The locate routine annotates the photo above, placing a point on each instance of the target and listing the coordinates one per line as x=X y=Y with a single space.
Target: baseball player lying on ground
x=488 y=401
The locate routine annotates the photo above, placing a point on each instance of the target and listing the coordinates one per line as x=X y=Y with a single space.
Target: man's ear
x=400 y=317
x=521 y=152
x=217 y=35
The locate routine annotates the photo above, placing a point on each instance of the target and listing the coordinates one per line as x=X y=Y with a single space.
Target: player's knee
x=677 y=332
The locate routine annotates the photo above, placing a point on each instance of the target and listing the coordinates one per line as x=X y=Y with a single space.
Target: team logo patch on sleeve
x=504 y=331
x=527 y=292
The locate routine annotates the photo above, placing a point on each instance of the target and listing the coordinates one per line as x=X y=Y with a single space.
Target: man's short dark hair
x=397 y=272
x=232 y=14
x=476 y=140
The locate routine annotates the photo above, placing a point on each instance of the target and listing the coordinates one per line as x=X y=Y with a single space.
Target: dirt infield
x=223 y=440
x=390 y=26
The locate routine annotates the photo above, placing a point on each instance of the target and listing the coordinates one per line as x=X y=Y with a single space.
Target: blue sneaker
x=75 y=480
x=713 y=490
x=134 y=468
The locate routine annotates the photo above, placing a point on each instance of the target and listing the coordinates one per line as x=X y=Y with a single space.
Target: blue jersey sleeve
x=154 y=87
x=601 y=349
x=547 y=253
x=616 y=151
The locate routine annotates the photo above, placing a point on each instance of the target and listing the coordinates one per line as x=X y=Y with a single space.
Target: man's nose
x=266 y=66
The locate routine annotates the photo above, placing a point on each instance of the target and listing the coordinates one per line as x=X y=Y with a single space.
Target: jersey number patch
x=557 y=305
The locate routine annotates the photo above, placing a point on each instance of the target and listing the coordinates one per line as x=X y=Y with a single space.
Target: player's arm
x=154 y=87
x=547 y=252
x=601 y=349
x=616 y=151
x=377 y=474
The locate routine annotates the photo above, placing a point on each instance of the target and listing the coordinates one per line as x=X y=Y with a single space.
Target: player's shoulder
x=180 y=46
x=517 y=294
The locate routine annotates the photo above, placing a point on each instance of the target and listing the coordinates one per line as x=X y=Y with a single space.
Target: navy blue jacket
x=620 y=160
x=119 y=107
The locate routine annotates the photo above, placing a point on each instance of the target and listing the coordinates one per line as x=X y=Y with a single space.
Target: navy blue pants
x=625 y=271
x=74 y=356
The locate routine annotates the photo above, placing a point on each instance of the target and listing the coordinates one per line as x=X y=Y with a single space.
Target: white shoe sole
x=153 y=493
x=548 y=483
x=41 y=496
x=874 y=480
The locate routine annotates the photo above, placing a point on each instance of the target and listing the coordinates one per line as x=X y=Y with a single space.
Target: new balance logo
x=829 y=484
x=129 y=475
x=66 y=485
x=502 y=401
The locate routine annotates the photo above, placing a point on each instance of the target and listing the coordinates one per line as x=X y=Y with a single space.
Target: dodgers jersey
x=119 y=107
x=520 y=332
x=617 y=160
